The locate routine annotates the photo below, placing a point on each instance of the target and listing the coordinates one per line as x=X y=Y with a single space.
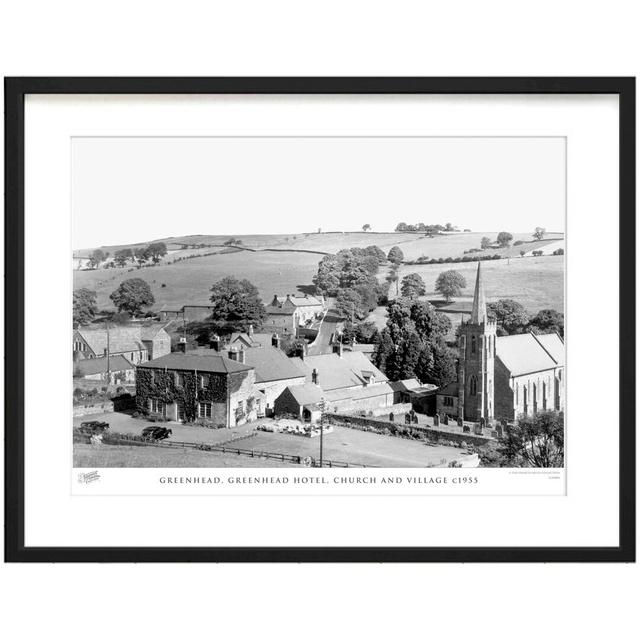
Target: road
x=328 y=327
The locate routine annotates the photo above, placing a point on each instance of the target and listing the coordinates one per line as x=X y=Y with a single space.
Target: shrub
x=517 y=243
x=163 y=285
x=558 y=252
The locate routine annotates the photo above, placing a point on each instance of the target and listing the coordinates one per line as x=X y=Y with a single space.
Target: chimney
x=275 y=341
x=233 y=353
x=288 y=296
x=275 y=302
x=182 y=345
x=337 y=348
x=215 y=342
x=241 y=355
x=250 y=331
x=314 y=376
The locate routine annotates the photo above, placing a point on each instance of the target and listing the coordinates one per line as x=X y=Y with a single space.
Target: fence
x=130 y=439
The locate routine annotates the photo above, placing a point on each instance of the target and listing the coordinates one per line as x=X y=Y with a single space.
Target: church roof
x=526 y=353
x=479 y=307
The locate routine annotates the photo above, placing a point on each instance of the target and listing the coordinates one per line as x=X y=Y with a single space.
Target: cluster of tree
x=361 y=332
x=236 y=305
x=534 y=441
x=512 y=318
x=85 y=306
x=413 y=286
x=232 y=242
x=431 y=229
x=350 y=276
x=153 y=252
x=449 y=260
x=412 y=344
x=97 y=257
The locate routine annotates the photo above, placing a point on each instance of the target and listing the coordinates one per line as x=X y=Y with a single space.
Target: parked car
x=156 y=433
x=93 y=427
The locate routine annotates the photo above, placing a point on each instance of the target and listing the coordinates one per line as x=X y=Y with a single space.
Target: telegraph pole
x=322 y=408
x=108 y=355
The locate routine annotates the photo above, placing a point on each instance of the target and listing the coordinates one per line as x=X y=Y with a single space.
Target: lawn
x=86 y=455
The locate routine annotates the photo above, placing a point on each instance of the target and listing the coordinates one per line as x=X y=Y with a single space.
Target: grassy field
x=188 y=282
x=536 y=283
x=291 y=270
x=86 y=455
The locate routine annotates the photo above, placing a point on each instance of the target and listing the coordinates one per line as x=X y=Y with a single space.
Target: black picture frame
x=15 y=91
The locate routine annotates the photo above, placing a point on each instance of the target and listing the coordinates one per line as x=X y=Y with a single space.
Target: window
x=156 y=406
x=473 y=386
x=241 y=406
x=78 y=345
x=473 y=344
x=204 y=410
x=448 y=401
x=205 y=381
x=179 y=379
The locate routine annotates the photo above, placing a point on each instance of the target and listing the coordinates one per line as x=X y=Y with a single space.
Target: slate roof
x=196 y=361
x=256 y=340
x=149 y=332
x=306 y=394
x=121 y=339
x=279 y=311
x=272 y=364
x=92 y=366
x=525 y=353
x=554 y=345
x=335 y=372
x=360 y=393
x=406 y=385
x=300 y=301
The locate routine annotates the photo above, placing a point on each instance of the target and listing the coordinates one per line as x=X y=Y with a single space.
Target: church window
x=473 y=344
x=473 y=386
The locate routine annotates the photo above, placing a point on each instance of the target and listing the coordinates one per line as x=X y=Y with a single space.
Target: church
x=502 y=377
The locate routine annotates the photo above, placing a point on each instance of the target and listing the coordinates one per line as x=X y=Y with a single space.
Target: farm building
x=502 y=377
x=203 y=385
x=347 y=381
x=292 y=311
x=120 y=370
x=136 y=343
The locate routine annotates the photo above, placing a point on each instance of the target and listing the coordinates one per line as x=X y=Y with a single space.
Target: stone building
x=502 y=377
x=287 y=314
x=136 y=343
x=196 y=385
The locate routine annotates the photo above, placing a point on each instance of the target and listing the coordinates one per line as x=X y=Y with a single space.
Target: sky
x=127 y=190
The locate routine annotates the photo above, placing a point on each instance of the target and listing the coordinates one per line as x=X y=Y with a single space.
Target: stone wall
x=91 y=409
x=399 y=428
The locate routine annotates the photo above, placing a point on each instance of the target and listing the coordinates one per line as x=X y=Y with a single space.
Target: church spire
x=479 y=309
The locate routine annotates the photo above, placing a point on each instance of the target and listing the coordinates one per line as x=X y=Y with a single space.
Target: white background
x=332 y=38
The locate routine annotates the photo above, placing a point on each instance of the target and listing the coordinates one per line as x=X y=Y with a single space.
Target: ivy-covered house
x=196 y=386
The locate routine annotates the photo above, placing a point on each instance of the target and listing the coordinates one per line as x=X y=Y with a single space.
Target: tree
x=97 y=257
x=504 y=238
x=395 y=255
x=450 y=283
x=236 y=305
x=413 y=285
x=412 y=343
x=366 y=227
x=534 y=441
x=485 y=243
x=547 y=321
x=348 y=269
x=156 y=251
x=377 y=253
x=122 y=256
x=327 y=279
x=510 y=316
x=141 y=255
x=361 y=332
x=448 y=227
x=84 y=306
x=132 y=295
x=349 y=303
x=539 y=232
x=401 y=226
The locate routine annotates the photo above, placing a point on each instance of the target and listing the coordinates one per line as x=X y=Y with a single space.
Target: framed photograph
x=320 y=319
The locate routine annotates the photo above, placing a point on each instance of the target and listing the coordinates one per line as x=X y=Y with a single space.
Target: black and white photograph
x=343 y=302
